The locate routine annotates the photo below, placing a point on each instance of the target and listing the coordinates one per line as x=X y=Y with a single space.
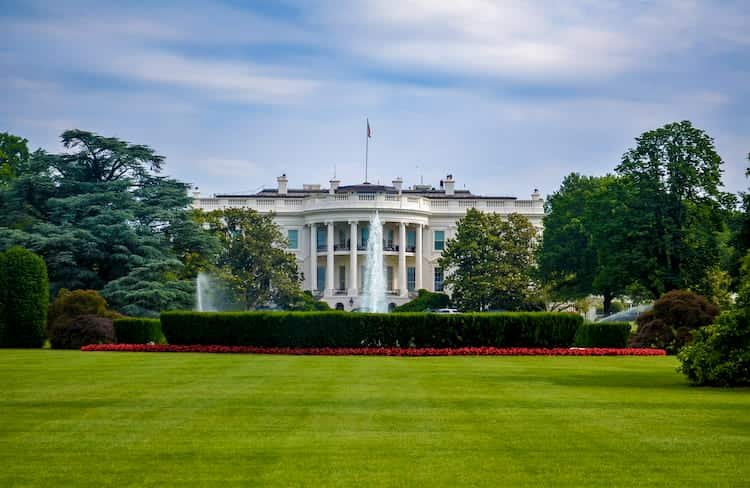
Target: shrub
x=720 y=353
x=603 y=334
x=669 y=325
x=81 y=331
x=70 y=304
x=25 y=299
x=425 y=300
x=342 y=329
x=3 y=298
x=138 y=331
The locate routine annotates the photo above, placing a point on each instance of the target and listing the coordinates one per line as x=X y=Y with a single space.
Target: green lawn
x=126 y=419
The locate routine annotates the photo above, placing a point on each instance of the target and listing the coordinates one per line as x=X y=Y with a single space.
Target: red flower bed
x=384 y=351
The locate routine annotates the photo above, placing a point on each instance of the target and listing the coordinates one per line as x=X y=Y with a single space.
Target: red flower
x=379 y=351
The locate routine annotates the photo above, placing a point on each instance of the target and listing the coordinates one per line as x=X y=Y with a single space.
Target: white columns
x=329 y=261
x=313 y=257
x=353 y=283
x=418 y=259
x=402 y=259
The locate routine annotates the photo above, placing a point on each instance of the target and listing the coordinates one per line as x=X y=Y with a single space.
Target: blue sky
x=507 y=96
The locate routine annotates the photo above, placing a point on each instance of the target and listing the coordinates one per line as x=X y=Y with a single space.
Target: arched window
x=339 y=306
x=391 y=306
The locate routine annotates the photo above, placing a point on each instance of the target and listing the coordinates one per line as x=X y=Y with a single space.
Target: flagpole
x=367 y=146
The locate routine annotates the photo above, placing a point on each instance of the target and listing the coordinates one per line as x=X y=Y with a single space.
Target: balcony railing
x=373 y=200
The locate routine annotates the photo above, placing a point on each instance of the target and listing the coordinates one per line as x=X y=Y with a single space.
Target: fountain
x=373 y=299
x=203 y=293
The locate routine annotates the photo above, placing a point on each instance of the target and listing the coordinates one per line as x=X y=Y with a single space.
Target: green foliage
x=424 y=301
x=673 y=210
x=602 y=334
x=138 y=331
x=720 y=353
x=25 y=299
x=14 y=157
x=302 y=302
x=252 y=260
x=673 y=319
x=490 y=262
x=100 y=213
x=575 y=257
x=3 y=293
x=345 y=329
x=70 y=304
x=82 y=330
x=151 y=288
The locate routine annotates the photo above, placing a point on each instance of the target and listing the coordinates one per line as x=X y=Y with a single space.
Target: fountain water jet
x=203 y=293
x=373 y=299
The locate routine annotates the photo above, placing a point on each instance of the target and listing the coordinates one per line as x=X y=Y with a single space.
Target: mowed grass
x=142 y=419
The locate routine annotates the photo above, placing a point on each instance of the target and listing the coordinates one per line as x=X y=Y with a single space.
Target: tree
x=577 y=256
x=14 y=157
x=489 y=262
x=100 y=213
x=674 y=209
x=252 y=260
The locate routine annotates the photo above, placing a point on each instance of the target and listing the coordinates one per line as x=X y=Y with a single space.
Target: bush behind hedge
x=25 y=299
x=138 y=331
x=603 y=334
x=81 y=331
x=345 y=329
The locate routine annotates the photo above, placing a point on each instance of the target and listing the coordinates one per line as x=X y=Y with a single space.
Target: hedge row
x=344 y=329
x=603 y=334
x=24 y=296
x=138 y=331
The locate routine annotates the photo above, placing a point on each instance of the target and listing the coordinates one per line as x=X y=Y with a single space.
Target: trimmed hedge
x=25 y=299
x=345 y=329
x=3 y=294
x=603 y=334
x=138 y=331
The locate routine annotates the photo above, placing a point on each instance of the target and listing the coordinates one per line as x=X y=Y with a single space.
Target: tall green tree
x=100 y=212
x=252 y=260
x=675 y=207
x=489 y=263
x=578 y=255
x=14 y=157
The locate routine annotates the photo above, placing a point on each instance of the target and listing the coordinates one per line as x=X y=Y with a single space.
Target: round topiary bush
x=671 y=322
x=81 y=331
x=25 y=299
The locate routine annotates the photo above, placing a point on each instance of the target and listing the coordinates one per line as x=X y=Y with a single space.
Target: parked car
x=447 y=310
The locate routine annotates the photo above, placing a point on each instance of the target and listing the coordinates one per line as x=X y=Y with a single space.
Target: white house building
x=327 y=229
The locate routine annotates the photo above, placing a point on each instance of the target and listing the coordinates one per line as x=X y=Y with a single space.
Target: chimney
x=196 y=192
x=282 y=184
x=334 y=186
x=397 y=183
x=536 y=196
x=450 y=185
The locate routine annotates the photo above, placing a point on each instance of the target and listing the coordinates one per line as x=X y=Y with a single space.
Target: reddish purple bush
x=81 y=331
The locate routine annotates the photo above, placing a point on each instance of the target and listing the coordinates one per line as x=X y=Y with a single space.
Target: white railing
x=366 y=201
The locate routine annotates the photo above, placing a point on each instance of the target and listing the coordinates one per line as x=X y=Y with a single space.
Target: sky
x=506 y=96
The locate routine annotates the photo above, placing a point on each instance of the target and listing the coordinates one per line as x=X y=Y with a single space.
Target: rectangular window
x=321 y=278
x=411 y=240
x=389 y=240
x=438 y=279
x=293 y=236
x=363 y=240
x=361 y=277
x=411 y=278
x=439 y=240
x=342 y=278
x=322 y=238
x=389 y=278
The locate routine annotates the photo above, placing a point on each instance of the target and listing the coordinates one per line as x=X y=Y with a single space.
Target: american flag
x=369 y=131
